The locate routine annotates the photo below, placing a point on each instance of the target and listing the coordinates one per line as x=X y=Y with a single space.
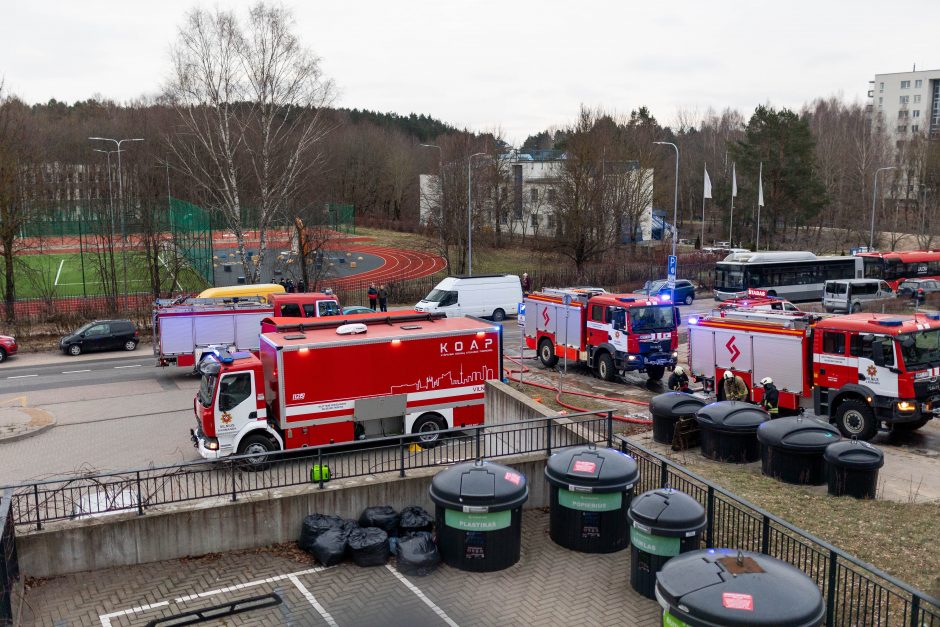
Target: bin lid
x=675 y=404
x=798 y=433
x=479 y=487
x=667 y=512
x=854 y=454
x=731 y=416
x=728 y=587
x=592 y=469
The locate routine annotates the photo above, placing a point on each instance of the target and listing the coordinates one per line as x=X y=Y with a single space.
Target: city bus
x=894 y=267
x=793 y=275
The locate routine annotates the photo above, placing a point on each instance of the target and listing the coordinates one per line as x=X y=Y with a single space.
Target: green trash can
x=664 y=523
x=728 y=588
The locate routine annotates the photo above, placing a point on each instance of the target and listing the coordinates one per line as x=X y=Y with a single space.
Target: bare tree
x=250 y=99
x=13 y=210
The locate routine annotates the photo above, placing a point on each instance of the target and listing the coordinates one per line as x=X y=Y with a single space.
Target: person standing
x=734 y=387
x=383 y=298
x=770 y=401
x=301 y=286
x=373 y=296
x=526 y=283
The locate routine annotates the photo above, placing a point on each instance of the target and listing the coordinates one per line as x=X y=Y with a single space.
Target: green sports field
x=73 y=274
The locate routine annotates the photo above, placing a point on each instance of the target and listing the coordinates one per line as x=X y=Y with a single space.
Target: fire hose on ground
x=512 y=376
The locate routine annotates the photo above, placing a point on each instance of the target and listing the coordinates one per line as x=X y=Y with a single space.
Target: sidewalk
x=44 y=358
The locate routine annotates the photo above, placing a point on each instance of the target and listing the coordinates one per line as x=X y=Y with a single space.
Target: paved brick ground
x=549 y=586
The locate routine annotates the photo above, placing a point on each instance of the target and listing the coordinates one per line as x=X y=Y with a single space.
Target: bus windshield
x=649 y=319
x=729 y=279
x=920 y=349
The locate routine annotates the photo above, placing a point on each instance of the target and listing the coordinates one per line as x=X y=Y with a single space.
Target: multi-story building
x=906 y=103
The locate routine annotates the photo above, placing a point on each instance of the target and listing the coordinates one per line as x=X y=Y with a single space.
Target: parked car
x=683 y=293
x=7 y=346
x=487 y=295
x=101 y=335
x=918 y=288
x=357 y=309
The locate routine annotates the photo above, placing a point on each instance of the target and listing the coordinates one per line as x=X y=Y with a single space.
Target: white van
x=488 y=295
x=850 y=295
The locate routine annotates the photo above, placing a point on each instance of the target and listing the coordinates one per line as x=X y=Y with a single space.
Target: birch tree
x=250 y=99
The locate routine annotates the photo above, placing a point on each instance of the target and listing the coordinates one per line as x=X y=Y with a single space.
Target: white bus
x=793 y=275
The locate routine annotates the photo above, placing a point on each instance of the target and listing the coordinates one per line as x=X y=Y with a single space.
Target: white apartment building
x=907 y=103
x=533 y=178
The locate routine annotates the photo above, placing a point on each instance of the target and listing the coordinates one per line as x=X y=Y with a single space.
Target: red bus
x=894 y=267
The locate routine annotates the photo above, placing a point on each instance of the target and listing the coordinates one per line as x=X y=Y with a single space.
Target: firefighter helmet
x=728 y=374
x=679 y=370
x=766 y=381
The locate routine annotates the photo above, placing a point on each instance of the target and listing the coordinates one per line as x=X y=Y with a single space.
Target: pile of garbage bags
x=379 y=533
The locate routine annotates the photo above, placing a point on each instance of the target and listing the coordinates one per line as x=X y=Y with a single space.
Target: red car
x=7 y=346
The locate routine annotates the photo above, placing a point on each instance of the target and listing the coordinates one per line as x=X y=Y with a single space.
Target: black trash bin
x=479 y=515
x=666 y=410
x=591 y=490
x=852 y=468
x=737 y=588
x=791 y=449
x=665 y=523
x=728 y=431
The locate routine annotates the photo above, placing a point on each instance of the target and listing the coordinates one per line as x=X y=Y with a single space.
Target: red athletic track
x=397 y=265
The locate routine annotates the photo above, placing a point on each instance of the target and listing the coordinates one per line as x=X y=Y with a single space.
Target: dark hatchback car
x=101 y=335
x=684 y=292
x=918 y=288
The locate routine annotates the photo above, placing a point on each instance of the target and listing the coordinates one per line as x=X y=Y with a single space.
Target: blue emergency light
x=627 y=300
x=693 y=320
x=890 y=322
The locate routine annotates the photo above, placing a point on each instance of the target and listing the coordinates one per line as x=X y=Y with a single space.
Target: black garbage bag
x=368 y=546
x=313 y=526
x=384 y=517
x=417 y=554
x=330 y=546
x=414 y=519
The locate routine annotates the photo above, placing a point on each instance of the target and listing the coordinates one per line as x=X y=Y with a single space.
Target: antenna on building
x=915 y=68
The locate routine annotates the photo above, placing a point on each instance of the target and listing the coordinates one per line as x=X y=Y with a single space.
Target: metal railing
x=9 y=564
x=856 y=593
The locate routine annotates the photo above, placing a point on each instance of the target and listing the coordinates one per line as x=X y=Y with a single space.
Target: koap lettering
x=460 y=346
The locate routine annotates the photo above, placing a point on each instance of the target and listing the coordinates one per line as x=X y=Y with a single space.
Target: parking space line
x=242 y=586
x=106 y=618
x=313 y=601
x=421 y=596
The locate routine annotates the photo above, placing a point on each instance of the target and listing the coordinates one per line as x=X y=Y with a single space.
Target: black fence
x=856 y=593
x=9 y=565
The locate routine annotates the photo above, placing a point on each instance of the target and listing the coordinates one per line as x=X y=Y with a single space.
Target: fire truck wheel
x=547 y=354
x=655 y=373
x=257 y=446
x=426 y=428
x=856 y=419
x=499 y=315
x=605 y=367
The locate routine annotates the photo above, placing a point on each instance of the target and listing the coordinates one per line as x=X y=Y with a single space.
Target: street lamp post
x=110 y=191
x=675 y=203
x=874 y=197
x=469 y=214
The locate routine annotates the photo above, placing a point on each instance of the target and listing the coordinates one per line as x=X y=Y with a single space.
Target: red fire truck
x=610 y=333
x=322 y=381
x=859 y=370
x=183 y=331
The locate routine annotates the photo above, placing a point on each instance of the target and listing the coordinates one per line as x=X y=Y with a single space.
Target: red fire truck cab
x=859 y=370
x=610 y=333
x=323 y=382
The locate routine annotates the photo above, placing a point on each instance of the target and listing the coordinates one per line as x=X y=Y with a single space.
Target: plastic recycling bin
x=728 y=431
x=852 y=468
x=666 y=410
x=591 y=490
x=478 y=509
x=736 y=589
x=791 y=449
x=664 y=523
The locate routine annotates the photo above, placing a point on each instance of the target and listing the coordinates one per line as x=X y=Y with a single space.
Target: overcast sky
x=518 y=66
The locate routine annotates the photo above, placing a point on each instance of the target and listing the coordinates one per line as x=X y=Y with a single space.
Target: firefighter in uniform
x=678 y=380
x=771 y=397
x=734 y=387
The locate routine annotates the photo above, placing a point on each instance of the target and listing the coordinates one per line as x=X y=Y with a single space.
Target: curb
x=28 y=434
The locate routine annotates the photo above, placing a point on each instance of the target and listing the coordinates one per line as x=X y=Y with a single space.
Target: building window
x=905 y=99
x=881 y=87
x=902 y=129
x=915 y=113
x=915 y=128
x=551 y=194
x=551 y=220
x=903 y=113
x=534 y=220
x=503 y=193
x=880 y=100
x=905 y=84
x=918 y=83
x=534 y=195
x=916 y=98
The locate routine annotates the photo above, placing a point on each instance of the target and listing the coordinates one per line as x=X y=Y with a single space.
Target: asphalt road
x=67 y=373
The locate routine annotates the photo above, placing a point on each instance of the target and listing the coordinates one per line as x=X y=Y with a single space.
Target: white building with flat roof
x=906 y=103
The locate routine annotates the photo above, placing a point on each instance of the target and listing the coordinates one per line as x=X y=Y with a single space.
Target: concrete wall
x=192 y=529
x=506 y=404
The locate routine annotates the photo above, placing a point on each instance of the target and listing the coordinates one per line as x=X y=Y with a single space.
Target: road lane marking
x=23 y=376
x=134 y=366
x=74 y=371
x=313 y=601
x=421 y=596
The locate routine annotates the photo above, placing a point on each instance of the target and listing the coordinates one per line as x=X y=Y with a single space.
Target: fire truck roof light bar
x=934 y=316
x=890 y=322
x=336 y=321
x=627 y=300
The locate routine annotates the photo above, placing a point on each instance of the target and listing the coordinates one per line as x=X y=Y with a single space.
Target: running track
x=398 y=264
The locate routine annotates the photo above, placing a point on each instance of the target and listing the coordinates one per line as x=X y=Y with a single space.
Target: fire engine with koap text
x=861 y=371
x=610 y=333
x=323 y=382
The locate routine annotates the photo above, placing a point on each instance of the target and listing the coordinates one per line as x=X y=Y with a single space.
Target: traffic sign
x=671 y=274
x=520 y=314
